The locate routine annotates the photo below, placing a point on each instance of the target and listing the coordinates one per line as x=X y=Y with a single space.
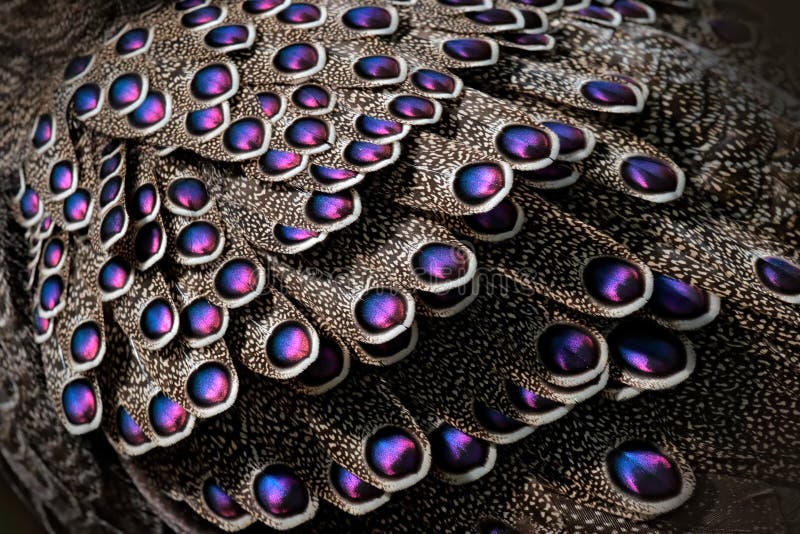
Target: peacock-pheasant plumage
x=399 y=266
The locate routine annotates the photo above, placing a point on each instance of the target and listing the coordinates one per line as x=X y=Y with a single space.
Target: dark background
x=781 y=18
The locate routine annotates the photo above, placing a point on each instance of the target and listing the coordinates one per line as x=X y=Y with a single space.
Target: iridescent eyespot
x=125 y=91
x=202 y=17
x=229 y=37
x=86 y=342
x=379 y=68
x=307 y=133
x=43 y=131
x=280 y=492
x=213 y=82
x=271 y=104
x=79 y=402
x=220 y=502
x=62 y=177
x=110 y=190
x=135 y=40
x=299 y=58
x=188 y=194
x=245 y=136
x=158 y=320
x=77 y=66
x=167 y=416
x=259 y=7
x=129 y=429
x=368 y=18
x=144 y=202
x=204 y=121
x=77 y=207
x=311 y=98
x=470 y=50
x=392 y=453
x=300 y=14
x=152 y=112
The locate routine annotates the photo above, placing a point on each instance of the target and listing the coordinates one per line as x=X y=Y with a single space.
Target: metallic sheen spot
x=674 y=299
x=143 y=202
x=203 y=121
x=62 y=177
x=147 y=242
x=53 y=253
x=468 y=50
x=228 y=35
x=296 y=58
x=288 y=344
x=150 y=112
x=157 y=319
x=76 y=206
x=363 y=153
x=77 y=66
x=524 y=143
x=645 y=348
x=220 y=502
x=492 y=17
x=367 y=18
x=528 y=401
x=438 y=262
x=779 y=275
x=245 y=135
x=351 y=487
x=86 y=99
x=566 y=349
x=613 y=281
x=477 y=182
x=209 y=385
x=300 y=14
x=412 y=107
x=129 y=429
x=198 y=239
x=200 y=318
x=113 y=223
x=114 y=274
x=432 y=81
x=604 y=93
x=571 y=139
x=125 y=90
x=641 y=470
x=379 y=310
x=29 y=203
x=188 y=193
x=256 y=7
x=329 y=207
x=280 y=492
x=393 y=453
x=377 y=128
x=456 y=452
x=200 y=17
x=278 y=162
x=495 y=421
x=270 y=103
x=110 y=190
x=79 y=402
x=378 y=67
x=291 y=235
x=110 y=165
x=236 y=279
x=43 y=131
x=84 y=346
x=311 y=97
x=167 y=416
x=51 y=292
x=649 y=175
x=330 y=175
x=132 y=40
x=498 y=220
x=211 y=81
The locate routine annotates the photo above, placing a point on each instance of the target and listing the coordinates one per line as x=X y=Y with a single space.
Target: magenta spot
x=157 y=319
x=201 y=319
x=129 y=429
x=209 y=385
x=79 y=402
x=85 y=342
x=50 y=293
x=381 y=309
x=244 y=135
x=53 y=252
x=329 y=207
x=393 y=453
x=43 y=131
x=236 y=279
x=220 y=502
x=270 y=103
x=167 y=416
x=62 y=177
x=288 y=344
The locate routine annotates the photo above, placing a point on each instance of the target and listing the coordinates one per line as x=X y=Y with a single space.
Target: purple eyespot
x=779 y=275
x=51 y=291
x=597 y=12
x=567 y=349
x=378 y=68
x=528 y=39
x=270 y=103
x=86 y=99
x=379 y=310
x=85 y=343
x=45 y=225
x=212 y=81
x=110 y=165
x=148 y=241
x=143 y=202
x=367 y=18
x=256 y=7
x=456 y=452
x=640 y=469
x=280 y=492
x=498 y=220
x=43 y=131
x=674 y=299
x=554 y=172
x=649 y=175
x=437 y=262
x=533 y=21
x=183 y=5
x=40 y=324
x=113 y=223
x=329 y=207
x=326 y=367
x=62 y=177
x=150 y=112
x=29 y=203
x=77 y=66
x=478 y=182
x=330 y=175
x=209 y=385
x=125 y=90
x=79 y=402
x=188 y=193
x=528 y=401
x=278 y=162
x=492 y=17
x=731 y=31
x=363 y=153
x=76 y=206
x=393 y=453
x=157 y=319
x=571 y=139
x=288 y=344
x=432 y=81
x=203 y=121
x=613 y=281
x=300 y=14
x=307 y=133
x=524 y=143
x=468 y=50
x=167 y=416
x=605 y=93
x=220 y=502
x=236 y=279
x=412 y=107
x=630 y=9
x=201 y=17
x=200 y=319
x=197 y=239
x=462 y=3
x=296 y=58
x=129 y=429
x=377 y=128
x=291 y=235
x=228 y=35
x=114 y=275
x=245 y=135
x=352 y=488
x=311 y=97
x=645 y=348
x=111 y=147
x=132 y=40
x=53 y=252
x=495 y=421
x=110 y=190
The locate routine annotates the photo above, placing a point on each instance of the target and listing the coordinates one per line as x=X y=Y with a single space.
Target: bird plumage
x=440 y=265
